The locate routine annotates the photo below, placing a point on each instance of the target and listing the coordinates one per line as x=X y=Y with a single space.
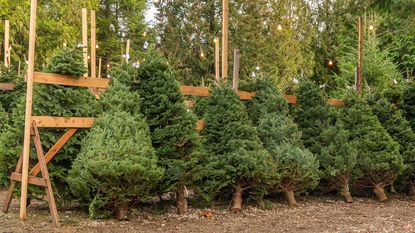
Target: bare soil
x=314 y=214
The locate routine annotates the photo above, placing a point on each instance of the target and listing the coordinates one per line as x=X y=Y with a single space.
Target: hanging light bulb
x=202 y=54
x=371 y=27
x=253 y=74
x=97 y=46
x=257 y=68
x=216 y=40
x=64 y=44
x=144 y=34
x=279 y=27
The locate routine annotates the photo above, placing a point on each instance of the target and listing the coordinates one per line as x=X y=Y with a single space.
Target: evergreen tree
x=236 y=160
x=379 y=161
x=172 y=125
x=48 y=100
x=311 y=113
x=117 y=164
x=67 y=61
x=9 y=98
x=399 y=129
x=408 y=105
x=4 y=118
x=338 y=159
x=294 y=169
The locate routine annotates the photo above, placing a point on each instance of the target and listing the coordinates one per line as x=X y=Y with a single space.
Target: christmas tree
x=311 y=113
x=408 y=105
x=379 y=161
x=338 y=159
x=117 y=164
x=49 y=100
x=400 y=130
x=172 y=125
x=236 y=160
x=294 y=169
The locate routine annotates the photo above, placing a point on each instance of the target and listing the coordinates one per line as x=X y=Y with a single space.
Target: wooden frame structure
x=7 y=51
x=32 y=123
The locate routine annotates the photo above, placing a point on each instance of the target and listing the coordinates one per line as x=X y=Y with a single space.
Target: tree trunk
x=181 y=201
x=411 y=188
x=346 y=194
x=380 y=193
x=237 y=199
x=121 y=212
x=291 y=198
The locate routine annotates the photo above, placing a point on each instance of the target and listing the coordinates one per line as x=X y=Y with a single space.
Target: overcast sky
x=150 y=13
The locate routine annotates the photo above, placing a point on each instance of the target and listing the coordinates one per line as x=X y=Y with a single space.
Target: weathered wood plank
x=65 y=80
x=32 y=180
x=63 y=122
x=7 y=86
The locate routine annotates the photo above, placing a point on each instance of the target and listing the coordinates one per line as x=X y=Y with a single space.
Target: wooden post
x=225 y=34
x=6 y=43
x=217 y=58
x=360 y=59
x=85 y=38
x=235 y=83
x=18 y=69
x=99 y=67
x=127 y=51
x=93 y=46
x=28 y=114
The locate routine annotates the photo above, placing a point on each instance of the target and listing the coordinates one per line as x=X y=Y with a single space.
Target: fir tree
x=48 y=100
x=117 y=164
x=67 y=61
x=294 y=169
x=399 y=129
x=338 y=159
x=408 y=105
x=379 y=161
x=311 y=114
x=172 y=125
x=236 y=160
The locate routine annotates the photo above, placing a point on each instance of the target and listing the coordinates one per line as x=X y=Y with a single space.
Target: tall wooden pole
x=360 y=59
x=217 y=59
x=85 y=38
x=235 y=80
x=93 y=46
x=99 y=67
x=127 y=51
x=28 y=114
x=6 y=43
x=225 y=34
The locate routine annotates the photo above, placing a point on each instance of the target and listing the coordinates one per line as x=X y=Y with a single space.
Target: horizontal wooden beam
x=63 y=122
x=195 y=91
x=7 y=86
x=336 y=102
x=32 y=179
x=65 y=80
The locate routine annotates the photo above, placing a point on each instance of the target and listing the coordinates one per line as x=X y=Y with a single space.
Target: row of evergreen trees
x=144 y=142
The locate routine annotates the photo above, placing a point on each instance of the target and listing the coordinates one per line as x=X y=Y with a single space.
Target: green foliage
x=9 y=98
x=235 y=155
x=67 y=61
x=399 y=129
x=48 y=100
x=312 y=114
x=378 y=160
x=4 y=118
x=172 y=125
x=294 y=168
x=408 y=105
x=117 y=161
x=338 y=156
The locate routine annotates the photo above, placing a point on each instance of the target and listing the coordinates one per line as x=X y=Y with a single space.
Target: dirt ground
x=314 y=214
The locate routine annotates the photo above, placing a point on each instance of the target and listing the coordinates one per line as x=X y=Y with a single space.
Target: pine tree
x=311 y=113
x=338 y=159
x=294 y=169
x=172 y=125
x=67 y=61
x=399 y=129
x=235 y=159
x=408 y=105
x=117 y=164
x=379 y=161
x=4 y=118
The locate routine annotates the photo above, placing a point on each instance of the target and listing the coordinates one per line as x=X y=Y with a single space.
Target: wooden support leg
x=45 y=175
x=11 y=188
